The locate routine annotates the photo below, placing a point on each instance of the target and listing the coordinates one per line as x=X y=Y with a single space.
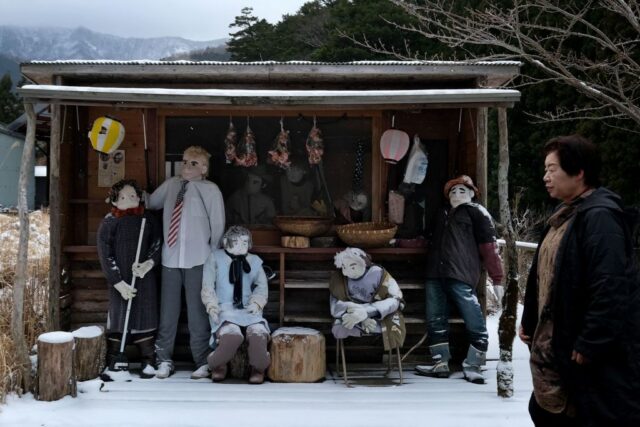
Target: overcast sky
x=191 y=19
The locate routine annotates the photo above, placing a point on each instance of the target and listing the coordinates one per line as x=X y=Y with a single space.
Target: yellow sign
x=106 y=135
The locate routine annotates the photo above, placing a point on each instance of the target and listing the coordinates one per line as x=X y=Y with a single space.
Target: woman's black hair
x=576 y=153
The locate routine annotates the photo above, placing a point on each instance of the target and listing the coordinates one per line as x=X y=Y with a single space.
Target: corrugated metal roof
x=261 y=63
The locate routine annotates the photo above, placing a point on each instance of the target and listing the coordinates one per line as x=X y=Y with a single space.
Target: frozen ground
x=180 y=401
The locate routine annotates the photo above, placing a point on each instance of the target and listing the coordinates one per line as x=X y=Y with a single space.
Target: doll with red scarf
x=117 y=242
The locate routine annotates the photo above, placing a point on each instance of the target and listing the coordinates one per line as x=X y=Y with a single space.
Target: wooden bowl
x=308 y=226
x=367 y=234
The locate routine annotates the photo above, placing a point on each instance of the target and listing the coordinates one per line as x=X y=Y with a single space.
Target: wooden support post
x=297 y=355
x=17 y=315
x=55 y=244
x=481 y=154
x=89 y=353
x=507 y=325
x=482 y=183
x=56 y=378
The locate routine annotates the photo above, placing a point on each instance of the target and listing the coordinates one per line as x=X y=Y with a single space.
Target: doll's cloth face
x=237 y=246
x=460 y=194
x=358 y=201
x=194 y=167
x=354 y=267
x=127 y=198
x=253 y=185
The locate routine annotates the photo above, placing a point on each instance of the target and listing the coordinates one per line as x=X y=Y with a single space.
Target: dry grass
x=35 y=296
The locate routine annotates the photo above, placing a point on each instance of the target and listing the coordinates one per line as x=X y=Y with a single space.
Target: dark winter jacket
x=595 y=310
x=464 y=240
x=117 y=242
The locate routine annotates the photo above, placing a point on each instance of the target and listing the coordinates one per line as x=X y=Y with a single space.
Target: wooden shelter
x=167 y=106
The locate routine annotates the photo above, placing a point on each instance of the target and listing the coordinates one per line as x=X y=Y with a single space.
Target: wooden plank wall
x=87 y=289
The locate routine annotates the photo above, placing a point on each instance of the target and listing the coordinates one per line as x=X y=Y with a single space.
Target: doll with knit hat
x=117 y=242
x=462 y=244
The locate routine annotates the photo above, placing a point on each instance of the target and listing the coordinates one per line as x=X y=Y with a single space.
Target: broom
x=120 y=362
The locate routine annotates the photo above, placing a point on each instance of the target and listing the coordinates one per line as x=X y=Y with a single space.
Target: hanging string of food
x=314 y=144
x=230 y=143
x=279 y=154
x=246 y=155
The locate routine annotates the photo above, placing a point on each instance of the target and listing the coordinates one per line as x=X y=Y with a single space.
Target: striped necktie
x=174 y=225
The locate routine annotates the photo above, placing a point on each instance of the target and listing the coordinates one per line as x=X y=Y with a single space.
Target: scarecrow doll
x=234 y=292
x=117 y=241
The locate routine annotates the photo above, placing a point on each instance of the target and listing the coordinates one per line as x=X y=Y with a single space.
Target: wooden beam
x=507 y=325
x=17 y=315
x=55 y=236
x=481 y=154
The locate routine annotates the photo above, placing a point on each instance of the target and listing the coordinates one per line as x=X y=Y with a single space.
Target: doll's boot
x=439 y=366
x=147 y=351
x=472 y=365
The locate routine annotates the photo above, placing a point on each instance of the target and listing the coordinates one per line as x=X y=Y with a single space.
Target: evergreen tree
x=254 y=39
x=10 y=105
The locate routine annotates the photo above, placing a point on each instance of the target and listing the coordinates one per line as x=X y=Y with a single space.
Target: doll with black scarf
x=234 y=292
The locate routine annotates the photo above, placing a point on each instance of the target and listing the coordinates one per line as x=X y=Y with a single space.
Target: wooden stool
x=297 y=355
x=89 y=353
x=56 y=378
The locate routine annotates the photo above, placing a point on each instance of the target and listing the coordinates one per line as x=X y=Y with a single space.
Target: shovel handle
x=133 y=285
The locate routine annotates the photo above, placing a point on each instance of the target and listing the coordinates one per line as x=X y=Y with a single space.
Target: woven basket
x=367 y=234
x=308 y=226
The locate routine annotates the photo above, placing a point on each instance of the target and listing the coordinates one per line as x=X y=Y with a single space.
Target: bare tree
x=586 y=44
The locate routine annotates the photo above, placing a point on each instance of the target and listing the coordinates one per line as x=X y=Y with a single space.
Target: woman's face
x=558 y=183
x=127 y=198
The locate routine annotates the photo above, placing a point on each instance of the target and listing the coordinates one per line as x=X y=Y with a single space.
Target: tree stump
x=56 y=377
x=297 y=355
x=239 y=366
x=89 y=352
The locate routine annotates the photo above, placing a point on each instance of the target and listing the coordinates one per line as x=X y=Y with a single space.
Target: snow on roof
x=267 y=96
x=259 y=63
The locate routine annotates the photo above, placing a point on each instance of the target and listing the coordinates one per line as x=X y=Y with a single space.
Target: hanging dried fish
x=246 y=155
x=279 y=154
x=315 y=146
x=230 y=144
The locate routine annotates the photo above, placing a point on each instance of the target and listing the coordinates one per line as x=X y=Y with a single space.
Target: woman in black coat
x=581 y=310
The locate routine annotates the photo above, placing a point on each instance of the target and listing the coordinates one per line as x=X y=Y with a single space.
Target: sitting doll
x=365 y=299
x=234 y=292
x=117 y=243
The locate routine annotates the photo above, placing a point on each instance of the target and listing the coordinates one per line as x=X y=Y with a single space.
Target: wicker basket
x=308 y=226
x=367 y=234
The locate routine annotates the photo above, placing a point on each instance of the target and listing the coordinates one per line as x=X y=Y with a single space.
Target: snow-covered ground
x=180 y=401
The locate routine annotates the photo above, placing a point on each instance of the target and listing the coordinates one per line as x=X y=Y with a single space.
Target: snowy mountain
x=50 y=43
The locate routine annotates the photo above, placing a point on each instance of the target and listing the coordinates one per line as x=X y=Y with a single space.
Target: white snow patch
x=181 y=401
x=87 y=332
x=56 y=337
x=295 y=330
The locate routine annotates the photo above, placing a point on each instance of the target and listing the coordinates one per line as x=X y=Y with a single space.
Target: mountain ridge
x=51 y=43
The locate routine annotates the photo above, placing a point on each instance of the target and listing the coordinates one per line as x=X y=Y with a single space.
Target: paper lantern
x=106 y=135
x=394 y=144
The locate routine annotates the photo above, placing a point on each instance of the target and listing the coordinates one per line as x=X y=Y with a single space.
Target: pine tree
x=10 y=105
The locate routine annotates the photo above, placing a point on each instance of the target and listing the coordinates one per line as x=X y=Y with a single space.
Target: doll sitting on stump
x=234 y=292
x=117 y=243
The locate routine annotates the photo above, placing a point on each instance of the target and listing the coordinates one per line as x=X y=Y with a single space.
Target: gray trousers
x=173 y=279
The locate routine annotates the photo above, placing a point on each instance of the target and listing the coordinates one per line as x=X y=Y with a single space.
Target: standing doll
x=234 y=291
x=464 y=242
x=193 y=222
x=117 y=244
